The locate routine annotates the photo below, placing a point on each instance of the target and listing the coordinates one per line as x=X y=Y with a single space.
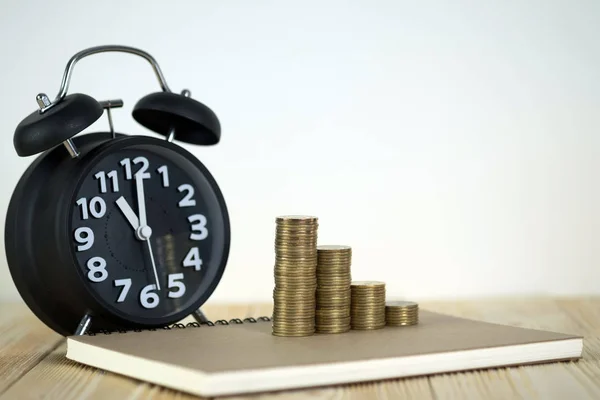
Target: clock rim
x=24 y=267
x=97 y=154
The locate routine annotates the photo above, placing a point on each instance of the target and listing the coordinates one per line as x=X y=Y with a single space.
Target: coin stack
x=367 y=305
x=401 y=313
x=294 y=301
x=333 y=288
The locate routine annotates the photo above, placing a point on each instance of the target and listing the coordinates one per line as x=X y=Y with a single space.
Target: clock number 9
x=85 y=237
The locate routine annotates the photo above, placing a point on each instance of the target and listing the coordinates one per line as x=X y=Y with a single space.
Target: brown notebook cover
x=246 y=358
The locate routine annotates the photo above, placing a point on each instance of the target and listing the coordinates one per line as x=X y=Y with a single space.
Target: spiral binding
x=179 y=325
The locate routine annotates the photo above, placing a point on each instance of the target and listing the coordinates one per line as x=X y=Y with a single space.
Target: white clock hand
x=153 y=263
x=128 y=213
x=144 y=231
x=139 y=187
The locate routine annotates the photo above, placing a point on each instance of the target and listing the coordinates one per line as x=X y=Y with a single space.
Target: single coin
x=296 y=218
x=399 y=303
x=368 y=283
x=334 y=247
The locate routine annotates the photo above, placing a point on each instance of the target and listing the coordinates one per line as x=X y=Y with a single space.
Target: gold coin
x=368 y=284
x=362 y=292
x=332 y=279
x=401 y=304
x=333 y=264
x=403 y=323
x=332 y=306
x=331 y=324
x=308 y=232
x=380 y=305
x=333 y=257
x=335 y=302
x=333 y=269
x=333 y=276
x=337 y=292
x=323 y=330
x=293 y=334
x=367 y=319
x=355 y=323
x=337 y=282
x=300 y=272
x=292 y=285
x=368 y=296
x=294 y=248
x=338 y=259
x=334 y=247
x=332 y=313
x=321 y=327
x=296 y=218
x=367 y=327
x=288 y=259
x=333 y=296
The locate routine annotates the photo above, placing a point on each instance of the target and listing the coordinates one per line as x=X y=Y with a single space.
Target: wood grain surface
x=33 y=363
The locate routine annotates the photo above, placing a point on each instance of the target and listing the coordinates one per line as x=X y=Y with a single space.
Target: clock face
x=149 y=233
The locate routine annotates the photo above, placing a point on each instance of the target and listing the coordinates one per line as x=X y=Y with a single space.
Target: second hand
x=144 y=231
x=153 y=263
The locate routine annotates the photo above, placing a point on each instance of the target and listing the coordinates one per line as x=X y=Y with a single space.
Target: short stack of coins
x=333 y=289
x=367 y=308
x=401 y=313
x=294 y=302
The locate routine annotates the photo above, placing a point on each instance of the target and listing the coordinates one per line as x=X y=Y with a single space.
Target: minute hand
x=139 y=187
x=144 y=230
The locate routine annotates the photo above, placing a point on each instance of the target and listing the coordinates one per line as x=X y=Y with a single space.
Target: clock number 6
x=147 y=298
x=150 y=299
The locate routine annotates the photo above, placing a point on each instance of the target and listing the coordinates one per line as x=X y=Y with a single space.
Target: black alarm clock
x=106 y=230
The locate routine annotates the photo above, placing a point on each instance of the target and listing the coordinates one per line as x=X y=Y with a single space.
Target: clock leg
x=199 y=316
x=83 y=326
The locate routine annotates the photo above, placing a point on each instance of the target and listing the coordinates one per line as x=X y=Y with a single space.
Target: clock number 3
x=199 y=230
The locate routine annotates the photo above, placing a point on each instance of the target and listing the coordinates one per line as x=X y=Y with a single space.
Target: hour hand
x=128 y=213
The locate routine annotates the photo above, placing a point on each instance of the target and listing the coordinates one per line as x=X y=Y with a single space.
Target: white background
x=453 y=144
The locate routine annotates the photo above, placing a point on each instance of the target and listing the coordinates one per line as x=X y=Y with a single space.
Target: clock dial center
x=143 y=232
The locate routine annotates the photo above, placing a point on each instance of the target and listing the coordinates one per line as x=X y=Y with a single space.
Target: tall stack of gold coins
x=401 y=313
x=367 y=305
x=333 y=288
x=294 y=301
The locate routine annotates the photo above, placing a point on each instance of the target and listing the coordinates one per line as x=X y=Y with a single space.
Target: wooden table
x=32 y=362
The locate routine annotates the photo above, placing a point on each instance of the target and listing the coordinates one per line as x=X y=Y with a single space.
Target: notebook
x=244 y=358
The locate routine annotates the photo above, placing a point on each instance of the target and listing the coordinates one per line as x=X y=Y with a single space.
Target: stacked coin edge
x=294 y=295
x=333 y=289
x=368 y=305
x=401 y=313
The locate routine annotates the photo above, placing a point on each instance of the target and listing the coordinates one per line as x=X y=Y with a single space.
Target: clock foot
x=83 y=326
x=199 y=316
